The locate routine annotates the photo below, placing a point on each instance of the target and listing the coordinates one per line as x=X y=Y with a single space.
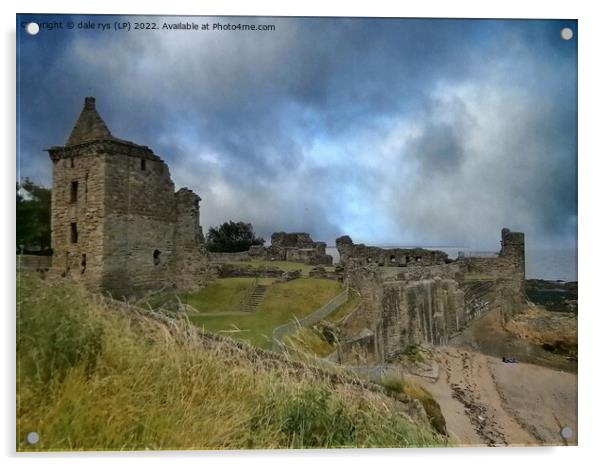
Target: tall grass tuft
x=94 y=374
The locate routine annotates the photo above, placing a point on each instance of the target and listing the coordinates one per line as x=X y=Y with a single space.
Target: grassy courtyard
x=223 y=295
x=282 y=303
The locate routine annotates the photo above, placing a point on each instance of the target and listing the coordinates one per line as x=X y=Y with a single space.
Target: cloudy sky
x=396 y=132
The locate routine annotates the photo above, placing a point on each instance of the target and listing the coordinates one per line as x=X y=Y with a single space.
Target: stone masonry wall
x=190 y=264
x=83 y=211
x=427 y=304
x=117 y=224
x=426 y=311
x=140 y=218
x=298 y=247
x=399 y=257
x=229 y=256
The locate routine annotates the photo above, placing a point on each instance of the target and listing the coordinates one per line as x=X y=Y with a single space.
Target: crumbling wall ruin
x=429 y=304
x=394 y=257
x=291 y=247
x=298 y=247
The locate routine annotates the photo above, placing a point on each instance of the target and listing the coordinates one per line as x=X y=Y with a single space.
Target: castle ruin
x=430 y=300
x=118 y=225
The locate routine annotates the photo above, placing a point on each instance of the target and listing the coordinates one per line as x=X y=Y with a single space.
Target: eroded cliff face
x=426 y=311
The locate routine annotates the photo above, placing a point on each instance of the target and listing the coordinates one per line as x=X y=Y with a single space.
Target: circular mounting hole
x=566 y=33
x=566 y=432
x=32 y=438
x=32 y=28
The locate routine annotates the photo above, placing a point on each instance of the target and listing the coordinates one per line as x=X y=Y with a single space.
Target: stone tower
x=513 y=249
x=117 y=224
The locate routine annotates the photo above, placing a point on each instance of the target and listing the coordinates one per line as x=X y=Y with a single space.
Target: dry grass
x=95 y=375
x=309 y=341
x=430 y=405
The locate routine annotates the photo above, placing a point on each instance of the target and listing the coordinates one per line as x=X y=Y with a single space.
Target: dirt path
x=488 y=402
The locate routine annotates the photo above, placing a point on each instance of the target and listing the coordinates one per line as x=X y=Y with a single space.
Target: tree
x=232 y=237
x=33 y=218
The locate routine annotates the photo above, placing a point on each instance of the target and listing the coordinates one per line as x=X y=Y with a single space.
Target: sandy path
x=488 y=402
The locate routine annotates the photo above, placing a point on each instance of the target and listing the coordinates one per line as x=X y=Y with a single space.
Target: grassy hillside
x=311 y=340
x=282 y=303
x=93 y=374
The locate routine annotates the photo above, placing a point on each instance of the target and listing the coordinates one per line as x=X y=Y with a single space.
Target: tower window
x=156 y=257
x=74 y=186
x=142 y=164
x=74 y=232
x=72 y=162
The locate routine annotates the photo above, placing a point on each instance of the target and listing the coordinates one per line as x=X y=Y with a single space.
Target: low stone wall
x=309 y=320
x=321 y=272
x=234 y=270
x=229 y=256
x=34 y=263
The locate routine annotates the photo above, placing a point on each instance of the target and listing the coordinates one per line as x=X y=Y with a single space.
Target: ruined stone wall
x=226 y=270
x=32 y=263
x=428 y=304
x=78 y=213
x=395 y=257
x=140 y=218
x=190 y=263
x=229 y=256
x=117 y=224
x=507 y=270
x=426 y=311
x=420 y=272
x=298 y=247
x=282 y=240
x=258 y=252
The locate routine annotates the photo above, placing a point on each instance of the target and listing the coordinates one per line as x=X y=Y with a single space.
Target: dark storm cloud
x=392 y=131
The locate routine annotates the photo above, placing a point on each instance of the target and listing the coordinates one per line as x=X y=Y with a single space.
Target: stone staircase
x=254 y=298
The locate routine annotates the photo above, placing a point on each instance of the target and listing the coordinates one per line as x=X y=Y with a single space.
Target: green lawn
x=284 y=265
x=310 y=340
x=281 y=304
x=223 y=295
